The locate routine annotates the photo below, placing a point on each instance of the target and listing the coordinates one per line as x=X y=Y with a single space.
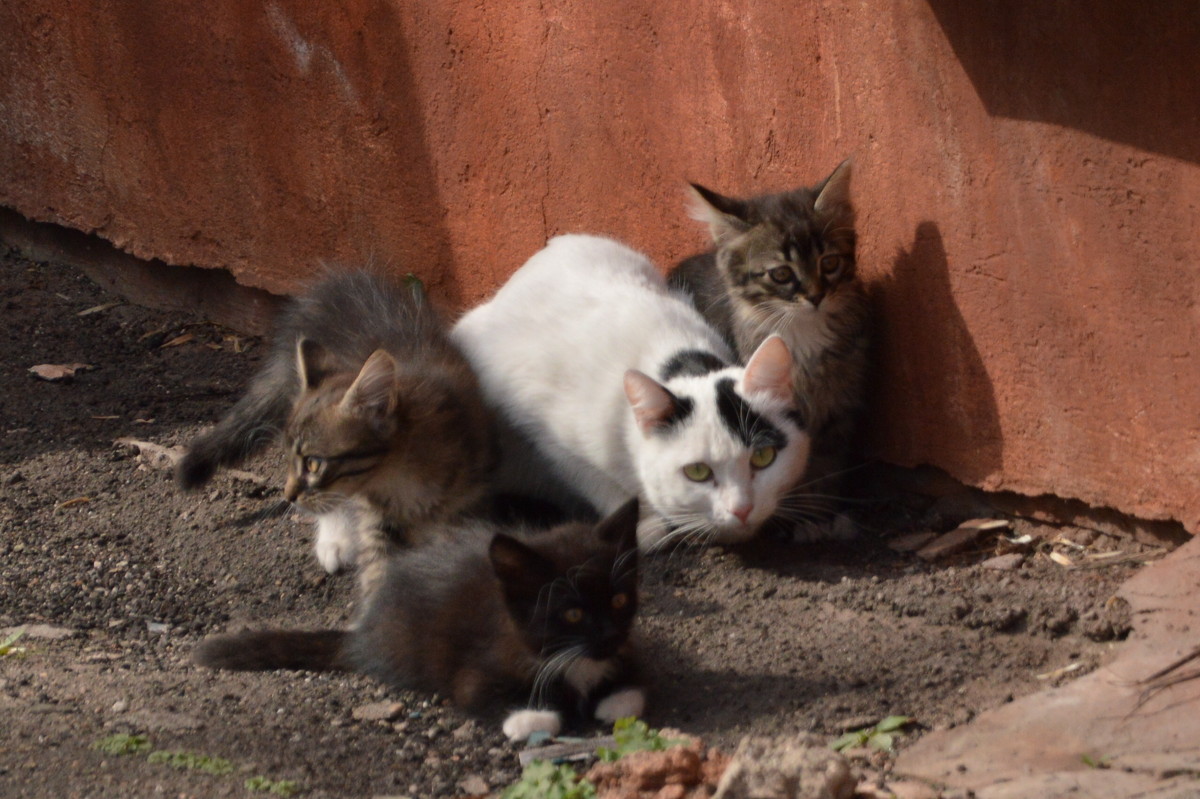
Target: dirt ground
x=96 y=541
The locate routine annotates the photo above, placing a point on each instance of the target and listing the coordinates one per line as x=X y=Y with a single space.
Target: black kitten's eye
x=831 y=264
x=619 y=601
x=572 y=615
x=313 y=465
x=781 y=274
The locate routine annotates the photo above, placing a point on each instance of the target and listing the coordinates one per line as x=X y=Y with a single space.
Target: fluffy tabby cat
x=625 y=390
x=784 y=265
x=492 y=620
x=381 y=417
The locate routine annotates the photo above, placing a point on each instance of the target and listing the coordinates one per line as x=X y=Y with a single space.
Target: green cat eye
x=697 y=472
x=781 y=274
x=762 y=457
x=572 y=615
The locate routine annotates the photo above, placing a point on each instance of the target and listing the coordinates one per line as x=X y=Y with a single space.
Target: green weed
x=633 y=735
x=882 y=736
x=122 y=744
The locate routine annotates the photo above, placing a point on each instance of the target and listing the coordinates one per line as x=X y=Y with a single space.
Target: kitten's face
x=721 y=450
x=573 y=592
x=784 y=252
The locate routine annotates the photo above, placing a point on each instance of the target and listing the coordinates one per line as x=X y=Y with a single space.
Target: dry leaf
x=70 y=502
x=106 y=418
x=98 y=308
x=175 y=342
x=143 y=421
x=1062 y=560
x=58 y=371
x=1050 y=675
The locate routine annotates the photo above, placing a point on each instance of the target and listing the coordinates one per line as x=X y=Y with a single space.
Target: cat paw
x=520 y=724
x=621 y=704
x=336 y=545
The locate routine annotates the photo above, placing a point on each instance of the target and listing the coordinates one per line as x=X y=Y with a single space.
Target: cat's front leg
x=621 y=703
x=521 y=724
x=337 y=539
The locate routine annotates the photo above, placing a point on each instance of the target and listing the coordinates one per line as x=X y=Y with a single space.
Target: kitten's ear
x=726 y=217
x=310 y=363
x=373 y=391
x=521 y=570
x=834 y=195
x=620 y=526
x=770 y=370
x=653 y=406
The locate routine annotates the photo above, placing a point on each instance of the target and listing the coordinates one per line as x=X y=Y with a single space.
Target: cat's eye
x=698 y=472
x=619 y=601
x=762 y=457
x=831 y=264
x=313 y=465
x=781 y=274
x=572 y=615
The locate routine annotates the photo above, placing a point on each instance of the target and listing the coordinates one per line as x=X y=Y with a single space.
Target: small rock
x=1004 y=563
x=378 y=711
x=120 y=706
x=465 y=732
x=799 y=768
x=474 y=785
x=952 y=542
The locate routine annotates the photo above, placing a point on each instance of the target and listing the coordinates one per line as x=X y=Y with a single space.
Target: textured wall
x=1027 y=175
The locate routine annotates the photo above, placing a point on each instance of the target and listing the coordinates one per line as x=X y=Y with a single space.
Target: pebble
x=1004 y=563
x=378 y=711
x=120 y=706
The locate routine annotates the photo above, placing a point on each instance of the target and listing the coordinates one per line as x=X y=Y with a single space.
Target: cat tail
x=251 y=424
x=265 y=650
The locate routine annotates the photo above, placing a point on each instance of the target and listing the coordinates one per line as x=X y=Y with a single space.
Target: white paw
x=622 y=704
x=520 y=724
x=337 y=542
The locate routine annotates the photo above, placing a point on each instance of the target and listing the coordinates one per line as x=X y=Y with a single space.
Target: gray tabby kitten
x=382 y=419
x=784 y=264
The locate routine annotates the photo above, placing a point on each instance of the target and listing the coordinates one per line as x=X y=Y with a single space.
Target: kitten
x=491 y=620
x=625 y=390
x=381 y=417
x=784 y=265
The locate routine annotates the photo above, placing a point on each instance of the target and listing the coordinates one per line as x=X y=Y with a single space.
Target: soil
x=773 y=638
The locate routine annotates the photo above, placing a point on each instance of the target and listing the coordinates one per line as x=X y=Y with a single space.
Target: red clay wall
x=1026 y=173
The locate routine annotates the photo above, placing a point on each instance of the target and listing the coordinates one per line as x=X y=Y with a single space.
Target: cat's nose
x=815 y=299
x=291 y=489
x=743 y=512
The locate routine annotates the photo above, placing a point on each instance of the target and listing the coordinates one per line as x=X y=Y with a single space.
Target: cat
x=626 y=391
x=382 y=420
x=784 y=264
x=490 y=618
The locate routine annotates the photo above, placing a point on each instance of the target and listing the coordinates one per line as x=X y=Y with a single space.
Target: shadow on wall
x=934 y=400
x=1124 y=70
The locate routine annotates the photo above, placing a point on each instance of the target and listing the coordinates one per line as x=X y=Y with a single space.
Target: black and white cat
x=491 y=617
x=626 y=391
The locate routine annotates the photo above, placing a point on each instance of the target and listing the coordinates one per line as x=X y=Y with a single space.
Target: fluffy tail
x=250 y=425
x=274 y=649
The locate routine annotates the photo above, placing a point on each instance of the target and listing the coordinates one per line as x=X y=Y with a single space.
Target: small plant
x=633 y=735
x=276 y=787
x=544 y=780
x=192 y=762
x=7 y=645
x=882 y=736
x=122 y=744
x=1092 y=762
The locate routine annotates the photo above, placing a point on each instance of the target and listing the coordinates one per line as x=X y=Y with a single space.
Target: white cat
x=625 y=390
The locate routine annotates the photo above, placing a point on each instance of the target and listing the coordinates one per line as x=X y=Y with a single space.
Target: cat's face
x=718 y=451
x=340 y=430
x=572 y=592
x=787 y=252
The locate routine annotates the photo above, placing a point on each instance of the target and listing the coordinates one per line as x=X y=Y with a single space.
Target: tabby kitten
x=381 y=417
x=492 y=620
x=784 y=264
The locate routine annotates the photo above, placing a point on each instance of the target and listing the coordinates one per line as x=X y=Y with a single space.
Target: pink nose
x=743 y=513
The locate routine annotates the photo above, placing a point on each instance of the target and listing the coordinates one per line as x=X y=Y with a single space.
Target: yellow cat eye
x=697 y=472
x=762 y=457
x=781 y=274
x=312 y=465
x=619 y=601
x=572 y=615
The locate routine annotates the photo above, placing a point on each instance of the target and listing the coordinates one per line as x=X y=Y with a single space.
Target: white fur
x=584 y=674
x=337 y=539
x=621 y=704
x=520 y=724
x=551 y=350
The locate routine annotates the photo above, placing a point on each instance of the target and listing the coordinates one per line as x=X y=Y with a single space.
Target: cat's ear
x=653 y=406
x=726 y=217
x=522 y=571
x=373 y=392
x=833 y=198
x=310 y=363
x=620 y=526
x=769 y=370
